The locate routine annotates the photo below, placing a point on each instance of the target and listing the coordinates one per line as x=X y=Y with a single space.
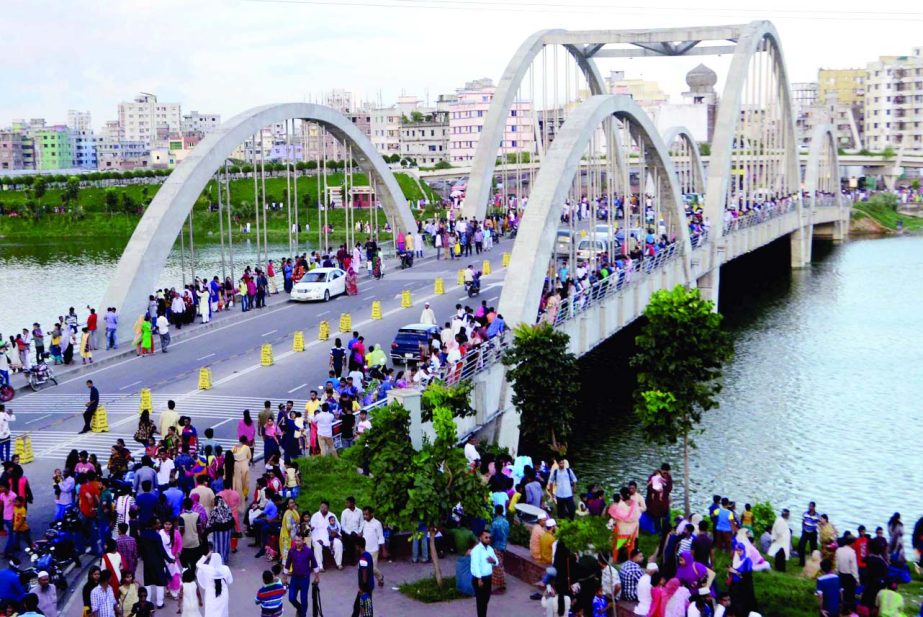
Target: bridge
x=754 y=189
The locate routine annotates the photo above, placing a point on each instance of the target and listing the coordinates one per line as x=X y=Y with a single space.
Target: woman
x=146 y=428
x=219 y=528
x=289 y=528
x=827 y=536
x=155 y=559
x=896 y=543
x=86 y=351
x=625 y=514
x=67 y=346
x=232 y=499
x=676 y=597
x=376 y=265
x=214 y=577
x=147 y=336
x=242 y=456
x=128 y=593
x=551 y=308
x=88 y=587
x=693 y=574
x=246 y=428
x=112 y=561
x=352 y=282
x=759 y=563
x=741 y=589
x=173 y=545
x=337 y=357
x=270 y=439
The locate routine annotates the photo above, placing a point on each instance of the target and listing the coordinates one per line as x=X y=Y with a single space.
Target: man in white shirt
x=364 y=423
x=644 y=590
x=163 y=328
x=428 y=316
x=351 y=524
x=471 y=450
x=358 y=378
x=5 y=435
x=483 y=560
x=374 y=536
x=847 y=568
x=323 y=420
x=165 y=469
x=320 y=539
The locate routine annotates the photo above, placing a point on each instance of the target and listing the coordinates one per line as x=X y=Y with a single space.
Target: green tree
x=40 y=186
x=888 y=153
x=416 y=116
x=126 y=203
x=111 y=200
x=71 y=189
x=456 y=398
x=705 y=149
x=443 y=165
x=441 y=479
x=681 y=352
x=542 y=371
x=390 y=462
x=586 y=533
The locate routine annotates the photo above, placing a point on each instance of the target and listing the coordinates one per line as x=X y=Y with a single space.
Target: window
x=513 y=112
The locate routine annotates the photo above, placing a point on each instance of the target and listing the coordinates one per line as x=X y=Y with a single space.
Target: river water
x=822 y=400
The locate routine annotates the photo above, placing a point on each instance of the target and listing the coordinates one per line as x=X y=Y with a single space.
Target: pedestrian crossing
x=57 y=444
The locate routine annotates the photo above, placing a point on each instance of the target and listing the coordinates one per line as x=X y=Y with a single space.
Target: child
x=190 y=598
x=292 y=480
x=142 y=608
x=600 y=604
x=270 y=596
x=746 y=519
x=20 y=528
x=656 y=481
x=128 y=592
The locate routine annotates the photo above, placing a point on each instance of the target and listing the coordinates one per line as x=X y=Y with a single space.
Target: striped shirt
x=270 y=598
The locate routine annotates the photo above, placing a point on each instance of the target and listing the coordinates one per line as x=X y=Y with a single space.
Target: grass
x=324 y=478
x=886 y=216
x=427 y=591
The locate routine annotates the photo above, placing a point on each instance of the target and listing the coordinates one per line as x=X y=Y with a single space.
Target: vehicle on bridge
x=320 y=284
x=563 y=241
x=410 y=340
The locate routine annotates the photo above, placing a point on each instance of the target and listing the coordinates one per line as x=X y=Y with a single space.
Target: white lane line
x=492 y=299
x=205 y=356
x=47 y=415
x=322 y=314
x=270 y=332
x=223 y=422
x=134 y=383
x=304 y=385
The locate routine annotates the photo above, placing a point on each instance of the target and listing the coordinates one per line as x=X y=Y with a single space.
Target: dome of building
x=701 y=77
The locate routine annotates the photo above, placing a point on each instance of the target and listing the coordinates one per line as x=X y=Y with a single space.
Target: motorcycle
x=41 y=373
x=473 y=287
x=43 y=555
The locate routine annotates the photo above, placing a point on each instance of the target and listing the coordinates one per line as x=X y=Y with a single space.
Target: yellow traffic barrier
x=506 y=260
x=460 y=280
x=145 y=400
x=406 y=302
x=298 y=341
x=205 y=378
x=323 y=331
x=266 y=355
x=376 y=309
x=346 y=322
x=23 y=448
x=583 y=233
x=439 y=286
x=100 y=422
x=485 y=267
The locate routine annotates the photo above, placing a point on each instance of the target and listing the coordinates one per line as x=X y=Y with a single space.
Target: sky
x=224 y=56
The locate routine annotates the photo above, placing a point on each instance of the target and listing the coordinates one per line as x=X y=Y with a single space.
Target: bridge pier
x=801 y=246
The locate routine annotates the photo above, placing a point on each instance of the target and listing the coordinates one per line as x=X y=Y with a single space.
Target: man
x=535 y=538
x=703 y=548
x=374 y=536
x=102 y=600
x=499 y=533
x=269 y=597
x=724 y=521
x=175 y=497
x=471 y=450
x=144 y=472
x=320 y=539
x=609 y=578
x=365 y=576
x=112 y=324
x=565 y=483
x=169 y=418
x=861 y=548
x=263 y=417
x=165 y=468
x=191 y=526
x=30 y=607
x=847 y=568
x=5 y=434
x=428 y=316
x=546 y=541
x=64 y=485
x=93 y=327
x=38 y=338
x=206 y=494
x=146 y=501
x=127 y=547
x=300 y=563
x=323 y=420
x=351 y=526
x=46 y=594
x=91 y=406
x=88 y=500
x=889 y=602
x=809 y=522
x=644 y=589
x=629 y=576
x=533 y=490
x=828 y=590
x=483 y=560
x=266 y=523
x=781 y=546
x=163 y=328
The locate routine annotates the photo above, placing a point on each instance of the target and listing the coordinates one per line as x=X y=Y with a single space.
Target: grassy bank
x=115 y=211
x=882 y=209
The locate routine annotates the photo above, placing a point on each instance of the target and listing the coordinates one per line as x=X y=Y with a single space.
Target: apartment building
x=894 y=102
x=199 y=124
x=146 y=119
x=466 y=121
x=424 y=138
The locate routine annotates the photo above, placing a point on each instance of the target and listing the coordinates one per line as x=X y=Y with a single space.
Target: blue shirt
x=809 y=522
x=146 y=503
x=480 y=567
x=499 y=532
x=175 y=496
x=563 y=479
x=724 y=520
x=828 y=587
x=10 y=587
x=271 y=510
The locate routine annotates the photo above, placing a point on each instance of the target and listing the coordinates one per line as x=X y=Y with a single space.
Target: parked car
x=407 y=342
x=320 y=284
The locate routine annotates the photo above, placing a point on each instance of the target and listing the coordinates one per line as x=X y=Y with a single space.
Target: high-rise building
x=79 y=120
x=894 y=102
x=645 y=93
x=84 y=146
x=11 y=150
x=466 y=121
x=425 y=138
x=147 y=119
x=199 y=124
x=53 y=148
x=845 y=86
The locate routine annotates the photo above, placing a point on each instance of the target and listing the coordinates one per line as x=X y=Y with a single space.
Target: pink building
x=466 y=120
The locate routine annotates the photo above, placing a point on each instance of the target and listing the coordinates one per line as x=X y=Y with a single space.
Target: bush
x=426 y=590
x=764 y=515
x=455 y=397
x=333 y=480
x=519 y=534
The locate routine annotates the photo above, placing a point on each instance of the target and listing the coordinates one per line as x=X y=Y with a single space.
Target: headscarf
x=221 y=514
x=670 y=588
x=691 y=571
x=198 y=508
x=219 y=570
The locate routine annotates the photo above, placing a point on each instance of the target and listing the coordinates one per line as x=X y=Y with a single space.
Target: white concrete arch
x=698 y=168
x=823 y=156
x=522 y=287
x=753 y=38
x=490 y=140
x=143 y=259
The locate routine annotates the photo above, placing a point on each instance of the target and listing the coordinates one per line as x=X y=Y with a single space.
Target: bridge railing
x=827 y=201
x=755 y=217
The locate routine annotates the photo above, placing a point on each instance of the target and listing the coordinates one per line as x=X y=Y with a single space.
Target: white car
x=320 y=284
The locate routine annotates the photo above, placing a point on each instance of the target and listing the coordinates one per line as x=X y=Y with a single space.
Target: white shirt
x=319 y=522
x=357 y=378
x=374 y=535
x=163 y=325
x=363 y=426
x=164 y=469
x=323 y=420
x=351 y=520
x=644 y=595
x=471 y=453
x=5 y=418
x=428 y=316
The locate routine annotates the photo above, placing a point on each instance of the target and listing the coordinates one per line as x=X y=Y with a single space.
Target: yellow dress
x=85 y=352
x=288 y=531
x=242 y=458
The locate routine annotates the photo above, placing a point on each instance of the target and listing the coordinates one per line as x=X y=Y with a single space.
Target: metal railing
x=755 y=217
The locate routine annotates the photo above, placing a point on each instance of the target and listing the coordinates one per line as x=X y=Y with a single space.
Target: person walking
x=93 y=327
x=91 y=406
x=363 y=607
x=163 y=328
x=112 y=323
x=300 y=564
x=215 y=579
x=5 y=434
x=155 y=559
x=86 y=350
x=483 y=560
x=564 y=482
x=781 y=541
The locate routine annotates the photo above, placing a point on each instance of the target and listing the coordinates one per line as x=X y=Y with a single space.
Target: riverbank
x=880 y=217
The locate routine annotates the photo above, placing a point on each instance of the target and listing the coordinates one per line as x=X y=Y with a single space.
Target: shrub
x=428 y=591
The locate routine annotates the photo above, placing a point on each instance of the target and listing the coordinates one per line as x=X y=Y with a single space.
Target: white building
x=466 y=121
x=385 y=129
x=79 y=120
x=145 y=119
x=894 y=102
x=426 y=141
x=195 y=123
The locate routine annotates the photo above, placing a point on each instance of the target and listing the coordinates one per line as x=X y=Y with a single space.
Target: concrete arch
x=823 y=143
x=522 y=288
x=150 y=244
x=698 y=168
x=477 y=192
x=754 y=36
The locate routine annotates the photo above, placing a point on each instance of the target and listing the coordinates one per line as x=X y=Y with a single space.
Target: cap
x=42 y=574
x=426 y=304
x=550 y=523
x=542 y=515
x=652 y=567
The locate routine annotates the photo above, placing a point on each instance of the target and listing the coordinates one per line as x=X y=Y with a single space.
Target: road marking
x=492 y=299
x=322 y=314
x=270 y=332
x=204 y=357
x=223 y=422
x=134 y=383
x=304 y=385
x=47 y=415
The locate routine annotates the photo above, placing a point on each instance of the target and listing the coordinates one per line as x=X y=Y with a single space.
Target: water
x=820 y=402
